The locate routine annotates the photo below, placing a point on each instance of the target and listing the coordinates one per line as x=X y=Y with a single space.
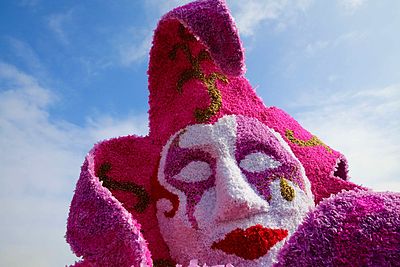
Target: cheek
x=179 y=236
x=190 y=195
x=194 y=193
x=164 y=207
x=289 y=213
x=205 y=208
x=185 y=175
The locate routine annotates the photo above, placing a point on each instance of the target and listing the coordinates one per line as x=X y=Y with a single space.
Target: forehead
x=221 y=134
x=226 y=133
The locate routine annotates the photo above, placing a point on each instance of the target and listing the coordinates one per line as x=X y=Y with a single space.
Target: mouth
x=251 y=243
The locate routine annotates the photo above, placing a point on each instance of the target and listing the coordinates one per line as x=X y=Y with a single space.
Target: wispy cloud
x=57 y=23
x=314 y=47
x=351 y=38
x=351 y=6
x=105 y=126
x=136 y=44
x=162 y=6
x=250 y=14
x=27 y=56
x=41 y=159
x=135 y=47
x=365 y=127
x=29 y=3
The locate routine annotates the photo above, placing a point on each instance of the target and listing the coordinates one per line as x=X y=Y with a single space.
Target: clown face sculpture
x=221 y=177
x=241 y=192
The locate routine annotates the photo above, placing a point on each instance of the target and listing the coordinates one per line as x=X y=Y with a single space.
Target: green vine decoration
x=313 y=141
x=138 y=190
x=195 y=72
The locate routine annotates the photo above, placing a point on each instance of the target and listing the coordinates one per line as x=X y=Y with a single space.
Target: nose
x=235 y=198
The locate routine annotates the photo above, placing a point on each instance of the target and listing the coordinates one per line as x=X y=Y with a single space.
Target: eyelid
x=194 y=171
x=258 y=162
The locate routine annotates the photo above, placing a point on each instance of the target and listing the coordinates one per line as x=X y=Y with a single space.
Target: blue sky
x=74 y=72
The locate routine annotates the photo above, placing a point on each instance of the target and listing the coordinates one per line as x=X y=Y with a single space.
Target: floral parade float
x=221 y=178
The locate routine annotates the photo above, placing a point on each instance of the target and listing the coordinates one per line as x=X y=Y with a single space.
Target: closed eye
x=258 y=162
x=195 y=171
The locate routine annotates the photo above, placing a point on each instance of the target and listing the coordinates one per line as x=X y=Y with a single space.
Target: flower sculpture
x=222 y=178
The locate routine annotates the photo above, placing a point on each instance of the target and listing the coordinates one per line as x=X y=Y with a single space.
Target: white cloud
x=24 y=51
x=314 y=47
x=364 y=126
x=136 y=43
x=352 y=38
x=162 y=6
x=350 y=5
x=333 y=78
x=106 y=126
x=250 y=14
x=40 y=164
x=29 y=3
x=349 y=38
x=136 y=46
x=57 y=22
x=27 y=55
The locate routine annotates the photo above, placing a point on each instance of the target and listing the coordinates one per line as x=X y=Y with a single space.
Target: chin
x=187 y=243
x=221 y=242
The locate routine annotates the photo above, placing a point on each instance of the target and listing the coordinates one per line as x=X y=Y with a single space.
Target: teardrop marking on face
x=138 y=190
x=195 y=171
x=209 y=81
x=258 y=162
x=287 y=192
x=313 y=141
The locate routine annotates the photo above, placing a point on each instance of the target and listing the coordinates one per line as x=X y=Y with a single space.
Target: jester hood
x=221 y=177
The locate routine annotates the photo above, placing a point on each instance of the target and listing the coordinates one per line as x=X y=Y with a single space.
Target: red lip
x=252 y=243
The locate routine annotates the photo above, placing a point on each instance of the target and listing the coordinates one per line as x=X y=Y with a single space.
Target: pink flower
x=194 y=263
